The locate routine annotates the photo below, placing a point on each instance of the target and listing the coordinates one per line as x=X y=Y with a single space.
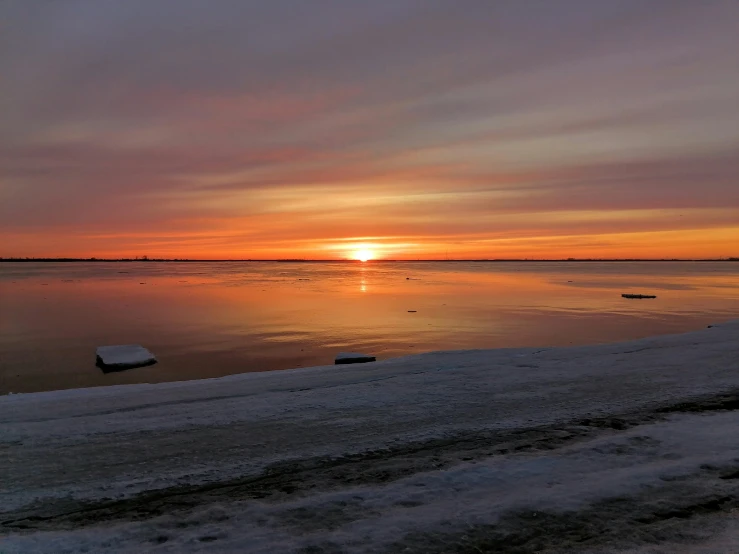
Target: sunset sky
x=406 y=128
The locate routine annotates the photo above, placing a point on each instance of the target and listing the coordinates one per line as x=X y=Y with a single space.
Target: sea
x=210 y=319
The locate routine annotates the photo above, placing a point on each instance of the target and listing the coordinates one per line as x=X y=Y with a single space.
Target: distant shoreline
x=496 y=260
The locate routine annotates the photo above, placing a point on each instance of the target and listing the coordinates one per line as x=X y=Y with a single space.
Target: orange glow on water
x=207 y=320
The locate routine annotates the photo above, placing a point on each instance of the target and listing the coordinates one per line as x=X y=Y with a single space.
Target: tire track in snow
x=293 y=479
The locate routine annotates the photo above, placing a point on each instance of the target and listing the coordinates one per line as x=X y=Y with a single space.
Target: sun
x=363 y=255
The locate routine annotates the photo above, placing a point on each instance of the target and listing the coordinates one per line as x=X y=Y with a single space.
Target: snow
x=405 y=453
x=124 y=356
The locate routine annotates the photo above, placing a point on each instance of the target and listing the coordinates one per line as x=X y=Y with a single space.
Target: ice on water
x=125 y=356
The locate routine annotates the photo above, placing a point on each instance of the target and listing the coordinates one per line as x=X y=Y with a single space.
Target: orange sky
x=408 y=128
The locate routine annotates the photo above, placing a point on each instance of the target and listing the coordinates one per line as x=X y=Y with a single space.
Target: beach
x=623 y=447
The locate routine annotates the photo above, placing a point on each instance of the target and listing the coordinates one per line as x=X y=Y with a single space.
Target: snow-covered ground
x=628 y=447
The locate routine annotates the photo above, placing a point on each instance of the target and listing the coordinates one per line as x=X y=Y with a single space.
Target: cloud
x=191 y=126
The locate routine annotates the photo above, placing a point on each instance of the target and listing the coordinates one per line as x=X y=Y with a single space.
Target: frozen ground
x=629 y=447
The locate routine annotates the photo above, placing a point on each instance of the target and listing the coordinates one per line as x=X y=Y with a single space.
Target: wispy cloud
x=290 y=128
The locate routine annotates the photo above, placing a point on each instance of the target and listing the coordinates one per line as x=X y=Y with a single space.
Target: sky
x=409 y=129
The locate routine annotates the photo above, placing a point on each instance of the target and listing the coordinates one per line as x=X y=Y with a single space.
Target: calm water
x=212 y=319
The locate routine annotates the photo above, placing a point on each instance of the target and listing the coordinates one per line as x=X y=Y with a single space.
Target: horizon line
x=378 y=260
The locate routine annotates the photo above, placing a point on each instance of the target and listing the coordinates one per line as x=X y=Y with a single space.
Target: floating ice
x=353 y=358
x=124 y=357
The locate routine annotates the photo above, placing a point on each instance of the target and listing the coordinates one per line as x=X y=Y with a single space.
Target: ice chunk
x=353 y=358
x=124 y=357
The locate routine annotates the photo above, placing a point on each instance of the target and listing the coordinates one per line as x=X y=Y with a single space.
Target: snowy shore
x=628 y=447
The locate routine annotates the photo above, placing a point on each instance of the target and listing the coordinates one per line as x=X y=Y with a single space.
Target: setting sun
x=364 y=255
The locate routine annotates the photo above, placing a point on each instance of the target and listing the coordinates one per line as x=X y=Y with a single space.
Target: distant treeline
x=146 y=259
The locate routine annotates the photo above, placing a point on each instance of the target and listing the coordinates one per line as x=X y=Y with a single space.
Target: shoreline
x=330 y=368
x=375 y=457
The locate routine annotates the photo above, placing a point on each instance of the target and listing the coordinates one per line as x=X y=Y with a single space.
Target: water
x=212 y=319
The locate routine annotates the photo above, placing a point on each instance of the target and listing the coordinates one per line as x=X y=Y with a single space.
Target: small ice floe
x=353 y=358
x=115 y=358
x=638 y=296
